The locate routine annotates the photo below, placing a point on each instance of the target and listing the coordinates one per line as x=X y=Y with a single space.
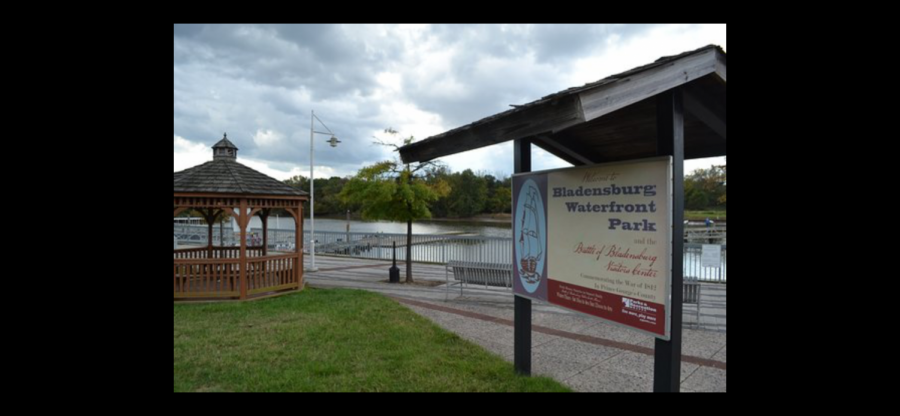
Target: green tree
x=300 y=182
x=327 y=190
x=501 y=200
x=705 y=188
x=499 y=195
x=437 y=176
x=392 y=191
x=468 y=195
x=329 y=203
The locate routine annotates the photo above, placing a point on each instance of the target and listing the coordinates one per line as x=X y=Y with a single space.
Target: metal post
x=312 y=194
x=670 y=141
x=522 y=325
x=394 y=272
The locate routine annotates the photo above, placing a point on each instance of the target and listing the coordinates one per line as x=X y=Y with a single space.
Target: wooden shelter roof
x=607 y=120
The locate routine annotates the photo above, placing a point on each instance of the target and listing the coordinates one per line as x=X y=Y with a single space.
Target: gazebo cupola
x=225 y=149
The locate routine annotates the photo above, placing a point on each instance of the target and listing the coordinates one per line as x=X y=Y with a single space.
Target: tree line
x=474 y=193
x=704 y=189
x=470 y=193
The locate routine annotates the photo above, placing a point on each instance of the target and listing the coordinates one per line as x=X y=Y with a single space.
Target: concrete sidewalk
x=582 y=352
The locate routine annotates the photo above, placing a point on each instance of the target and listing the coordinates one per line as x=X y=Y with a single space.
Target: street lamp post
x=333 y=141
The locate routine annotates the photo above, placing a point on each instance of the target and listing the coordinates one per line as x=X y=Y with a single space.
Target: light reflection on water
x=419 y=227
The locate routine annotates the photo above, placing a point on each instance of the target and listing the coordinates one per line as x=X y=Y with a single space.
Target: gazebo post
x=242 y=221
x=264 y=216
x=298 y=243
x=210 y=219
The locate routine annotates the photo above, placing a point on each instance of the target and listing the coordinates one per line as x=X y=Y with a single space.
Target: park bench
x=692 y=296
x=476 y=273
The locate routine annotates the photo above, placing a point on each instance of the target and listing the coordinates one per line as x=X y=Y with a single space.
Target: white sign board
x=711 y=256
x=597 y=240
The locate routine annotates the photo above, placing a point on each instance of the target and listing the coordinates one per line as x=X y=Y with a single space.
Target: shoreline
x=507 y=219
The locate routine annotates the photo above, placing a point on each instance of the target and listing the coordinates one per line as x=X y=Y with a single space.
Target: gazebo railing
x=207 y=278
x=196 y=276
x=271 y=274
x=218 y=252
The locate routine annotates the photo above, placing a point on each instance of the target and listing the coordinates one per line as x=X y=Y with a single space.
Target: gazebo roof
x=224 y=175
x=225 y=144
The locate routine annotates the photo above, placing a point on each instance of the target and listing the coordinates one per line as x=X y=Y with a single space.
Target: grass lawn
x=703 y=215
x=331 y=340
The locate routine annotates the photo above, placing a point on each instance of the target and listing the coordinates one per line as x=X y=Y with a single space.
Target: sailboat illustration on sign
x=530 y=246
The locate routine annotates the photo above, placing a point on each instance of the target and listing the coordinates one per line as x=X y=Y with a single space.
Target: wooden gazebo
x=224 y=186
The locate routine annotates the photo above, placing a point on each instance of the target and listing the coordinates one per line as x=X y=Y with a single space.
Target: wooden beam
x=549 y=117
x=252 y=213
x=264 y=216
x=705 y=151
x=705 y=109
x=292 y=212
x=243 y=219
x=720 y=67
x=239 y=196
x=628 y=90
x=298 y=243
x=568 y=151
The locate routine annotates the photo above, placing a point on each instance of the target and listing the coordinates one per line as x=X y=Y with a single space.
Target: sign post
x=522 y=323
x=670 y=142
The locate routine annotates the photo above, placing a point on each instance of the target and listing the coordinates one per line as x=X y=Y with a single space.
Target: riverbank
x=714 y=215
x=483 y=218
x=718 y=216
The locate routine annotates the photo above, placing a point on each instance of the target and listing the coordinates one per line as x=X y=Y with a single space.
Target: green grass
x=331 y=340
x=715 y=215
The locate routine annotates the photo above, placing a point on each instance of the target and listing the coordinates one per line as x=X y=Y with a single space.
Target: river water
x=492 y=251
x=486 y=229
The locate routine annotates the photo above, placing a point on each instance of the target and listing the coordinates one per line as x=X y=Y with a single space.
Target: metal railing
x=426 y=248
x=694 y=270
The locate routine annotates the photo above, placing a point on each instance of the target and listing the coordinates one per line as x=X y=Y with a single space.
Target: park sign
x=598 y=240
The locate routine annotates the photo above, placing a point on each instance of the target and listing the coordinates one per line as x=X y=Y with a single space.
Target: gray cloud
x=254 y=80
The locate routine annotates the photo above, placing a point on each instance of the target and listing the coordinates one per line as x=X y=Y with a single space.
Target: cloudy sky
x=259 y=84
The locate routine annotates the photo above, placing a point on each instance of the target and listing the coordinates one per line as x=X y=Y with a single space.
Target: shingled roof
x=607 y=120
x=224 y=175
